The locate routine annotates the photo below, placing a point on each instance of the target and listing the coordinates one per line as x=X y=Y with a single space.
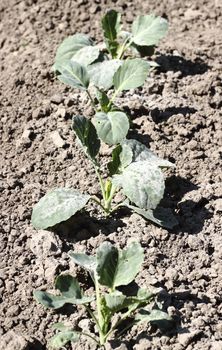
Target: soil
x=177 y=113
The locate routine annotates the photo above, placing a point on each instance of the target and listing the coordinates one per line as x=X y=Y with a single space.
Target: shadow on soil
x=82 y=226
x=190 y=214
x=180 y=64
x=157 y=114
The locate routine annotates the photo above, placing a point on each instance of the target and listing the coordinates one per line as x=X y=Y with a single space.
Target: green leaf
x=154 y=316
x=107 y=260
x=68 y=286
x=62 y=338
x=143 y=298
x=86 y=261
x=70 y=294
x=129 y=264
x=143 y=183
x=147 y=214
x=160 y=216
x=87 y=135
x=131 y=74
x=103 y=100
x=49 y=300
x=74 y=74
x=112 y=127
x=101 y=73
x=69 y=47
x=135 y=151
x=115 y=301
x=86 y=55
x=148 y=30
x=57 y=301
x=111 y=28
x=56 y=206
x=117 y=268
x=113 y=165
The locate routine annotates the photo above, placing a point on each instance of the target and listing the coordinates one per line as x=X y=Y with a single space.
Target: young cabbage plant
x=133 y=169
x=81 y=64
x=109 y=269
x=146 y=32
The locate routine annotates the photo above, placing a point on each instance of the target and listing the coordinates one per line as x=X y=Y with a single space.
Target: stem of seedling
x=117 y=207
x=127 y=314
x=124 y=47
x=107 y=196
x=91 y=99
x=109 y=199
x=113 y=98
x=89 y=336
x=97 y=201
x=100 y=316
x=102 y=185
x=93 y=316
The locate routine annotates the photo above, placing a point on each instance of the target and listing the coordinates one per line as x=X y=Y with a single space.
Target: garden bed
x=177 y=114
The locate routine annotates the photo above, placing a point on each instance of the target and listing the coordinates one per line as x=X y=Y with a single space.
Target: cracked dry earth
x=177 y=113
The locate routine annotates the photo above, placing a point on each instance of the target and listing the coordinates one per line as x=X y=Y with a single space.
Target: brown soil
x=177 y=113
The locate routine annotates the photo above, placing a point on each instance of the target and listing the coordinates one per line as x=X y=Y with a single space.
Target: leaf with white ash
x=101 y=73
x=135 y=151
x=56 y=206
x=142 y=183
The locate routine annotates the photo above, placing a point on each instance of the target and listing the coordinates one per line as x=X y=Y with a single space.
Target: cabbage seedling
x=80 y=63
x=109 y=269
x=133 y=169
x=146 y=32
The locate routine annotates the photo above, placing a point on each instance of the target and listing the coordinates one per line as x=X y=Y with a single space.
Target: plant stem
x=92 y=315
x=109 y=200
x=100 y=316
x=97 y=201
x=124 y=47
x=113 y=98
x=127 y=314
x=101 y=182
x=89 y=336
x=91 y=99
x=117 y=206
